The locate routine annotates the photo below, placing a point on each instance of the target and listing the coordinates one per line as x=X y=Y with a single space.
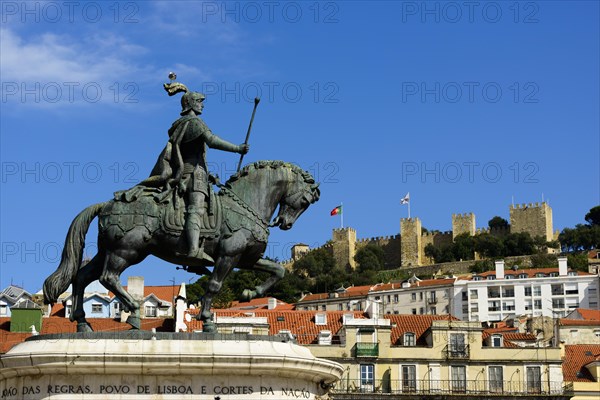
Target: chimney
x=499 y=269
x=272 y=303
x=562 y=266
x=135 y=287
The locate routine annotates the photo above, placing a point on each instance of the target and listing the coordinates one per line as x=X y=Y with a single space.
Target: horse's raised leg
x=223 y=266
x=277 y=273
x=114 y=265
x=86 y=275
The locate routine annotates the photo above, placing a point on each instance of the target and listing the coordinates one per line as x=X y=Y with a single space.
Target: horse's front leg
x=223 y=266
x=277 y=273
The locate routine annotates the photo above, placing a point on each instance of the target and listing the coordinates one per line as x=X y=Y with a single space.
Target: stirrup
x=200 y=254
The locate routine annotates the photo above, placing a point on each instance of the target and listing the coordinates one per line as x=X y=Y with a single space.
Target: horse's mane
x=275 y=164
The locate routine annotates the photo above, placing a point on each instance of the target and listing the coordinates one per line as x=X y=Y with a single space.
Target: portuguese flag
x=336 y=211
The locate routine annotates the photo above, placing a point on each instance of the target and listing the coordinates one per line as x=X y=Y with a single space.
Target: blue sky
x=464 y=106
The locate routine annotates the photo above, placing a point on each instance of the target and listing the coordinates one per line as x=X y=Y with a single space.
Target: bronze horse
x=131 y=230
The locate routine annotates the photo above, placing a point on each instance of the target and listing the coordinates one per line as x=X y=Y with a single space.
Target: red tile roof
x=259 y=303
x=588 y=314
x=167 y=293
x=417 y=324
x=530 y=272
x=577 y=356
x=63 y=325
x=423 y=283
x=299 y=323
x=352 y=291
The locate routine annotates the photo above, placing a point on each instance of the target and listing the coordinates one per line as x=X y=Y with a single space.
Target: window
x=496 y=340
x=491 y=277
x=509 y=276
x=367 y=372
x=473 y=294
x=557 y=290
x=320 y=319
x=432 y=295
x=558 y=303
x=476 y=278
x=409 y=378
x=528 y=291
x=433 y=311
x=508 y=291
x=597 y=333
x=395 y=298
x=494 y=305
x=457 y=345
x=389 y=298
x=537 y=304
x=414 y=311
x=3 y=309
x=572 y=273
x=421 y=311
x=377 y=298
x=323 y=307
x=522 y=276
x=459 y=378
x=540 y=275
x=340 y=307
x=413 y=297
x=493 y=292
x=396 y=312
x=150 y=311
x=420 y=295
x=571 y=288
x=496 y=379
x=537 y=290
x=97 y=308
x=409 y=339
x=534 y=380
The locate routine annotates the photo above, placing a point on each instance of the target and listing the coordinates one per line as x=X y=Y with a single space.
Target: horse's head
x=295 y=201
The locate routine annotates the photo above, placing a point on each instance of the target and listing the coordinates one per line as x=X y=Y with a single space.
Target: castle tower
x=298 y=250
x=534 y=218
x=463 y=223
x=344 y=247
x=410 y=242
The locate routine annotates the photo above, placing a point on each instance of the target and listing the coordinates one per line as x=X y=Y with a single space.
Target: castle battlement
x=528 y=205
x=344 y=230
x=437 y=234
x=463 y=215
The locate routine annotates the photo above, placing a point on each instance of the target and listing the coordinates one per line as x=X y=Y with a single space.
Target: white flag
x=405 y=199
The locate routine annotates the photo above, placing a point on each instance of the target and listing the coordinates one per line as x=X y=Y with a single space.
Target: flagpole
x=342 y=215
x=409 y=209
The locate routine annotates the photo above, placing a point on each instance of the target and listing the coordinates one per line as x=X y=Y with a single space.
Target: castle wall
x=390 y=245
x=534 y=218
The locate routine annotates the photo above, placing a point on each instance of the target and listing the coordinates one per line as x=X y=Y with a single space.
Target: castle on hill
x=407 y=249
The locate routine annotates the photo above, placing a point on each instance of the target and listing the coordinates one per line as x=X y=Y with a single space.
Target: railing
x=431 y=300
x=456 y=351
x=366 y=349
x=445 y=387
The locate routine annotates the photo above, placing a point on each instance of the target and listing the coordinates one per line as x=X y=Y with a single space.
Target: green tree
x=370 y=257
x=463 y=247
x=593 y=216
x=488 y=246
x=578 y=262
x=497 y=222
x=432 y=252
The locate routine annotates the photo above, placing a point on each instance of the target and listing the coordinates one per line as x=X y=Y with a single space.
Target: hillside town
x=509 y=332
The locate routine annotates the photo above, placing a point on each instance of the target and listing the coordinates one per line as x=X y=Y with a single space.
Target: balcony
x=366 y=350
x=350 y=388
x=455 y=352
x=432 y=300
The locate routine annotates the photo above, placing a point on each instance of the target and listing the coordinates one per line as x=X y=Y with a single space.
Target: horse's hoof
x=248 y=294
x=209 y=327
x=135 y=322
x=84 y=327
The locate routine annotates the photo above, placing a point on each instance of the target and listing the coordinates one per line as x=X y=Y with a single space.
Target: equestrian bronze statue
x=177 y=216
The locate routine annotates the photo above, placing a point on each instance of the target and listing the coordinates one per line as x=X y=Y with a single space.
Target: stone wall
x=534 y=218
x=463 y=223
x=410 y=244
x=390 y=245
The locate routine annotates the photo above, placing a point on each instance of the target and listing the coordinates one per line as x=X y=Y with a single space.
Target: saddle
x=154 y=208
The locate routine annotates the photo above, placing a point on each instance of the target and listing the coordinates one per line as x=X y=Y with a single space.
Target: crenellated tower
x=533 y=218
x=410 y=242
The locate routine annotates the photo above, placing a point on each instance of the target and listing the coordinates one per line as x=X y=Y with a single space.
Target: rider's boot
x=192 y=228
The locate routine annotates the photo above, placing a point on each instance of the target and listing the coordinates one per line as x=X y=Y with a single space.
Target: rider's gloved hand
x=243 y=148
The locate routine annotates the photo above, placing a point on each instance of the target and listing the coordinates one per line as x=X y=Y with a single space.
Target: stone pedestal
x=143 y=365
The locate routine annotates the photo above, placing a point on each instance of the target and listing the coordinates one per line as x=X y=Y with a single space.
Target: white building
x=550 y=292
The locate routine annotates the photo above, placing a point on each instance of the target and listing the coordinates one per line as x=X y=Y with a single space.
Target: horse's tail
x=59 y=281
